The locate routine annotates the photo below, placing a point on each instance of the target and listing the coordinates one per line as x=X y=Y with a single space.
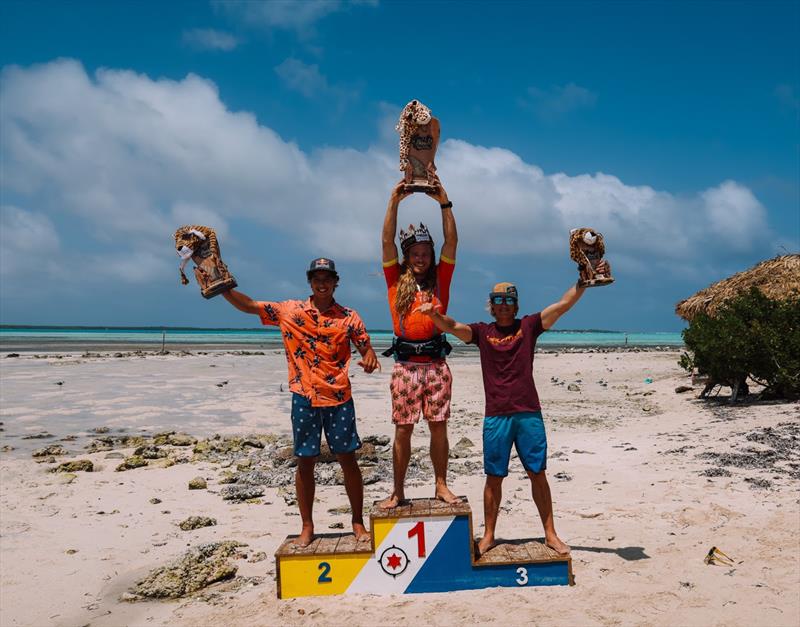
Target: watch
x=447 y=205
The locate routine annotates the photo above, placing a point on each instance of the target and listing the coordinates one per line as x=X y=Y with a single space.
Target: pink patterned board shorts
x=420 y=388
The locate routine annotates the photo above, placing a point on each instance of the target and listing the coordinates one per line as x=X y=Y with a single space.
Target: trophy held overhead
x=586 y=248
x=419 y=139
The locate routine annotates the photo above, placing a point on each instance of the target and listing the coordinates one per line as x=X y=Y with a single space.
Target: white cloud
x=127 y=159
x=28 y=242
x=308 y=80
x=302 y=77
x=297 y=15
x=209 y=39
x=558 y=100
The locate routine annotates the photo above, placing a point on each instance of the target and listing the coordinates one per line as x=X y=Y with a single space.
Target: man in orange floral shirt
x=317 y=333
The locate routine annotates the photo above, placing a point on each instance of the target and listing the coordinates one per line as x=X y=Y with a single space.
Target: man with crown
x=421 y=381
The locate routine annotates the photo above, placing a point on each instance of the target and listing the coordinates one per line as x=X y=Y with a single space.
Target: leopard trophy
x=419 y=139
x=199 y=243
x=586 y=248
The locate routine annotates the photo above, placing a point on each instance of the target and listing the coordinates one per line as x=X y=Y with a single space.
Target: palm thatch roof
x=776 y=278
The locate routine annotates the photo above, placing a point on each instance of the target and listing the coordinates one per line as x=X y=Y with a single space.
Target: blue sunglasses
x=503 y=300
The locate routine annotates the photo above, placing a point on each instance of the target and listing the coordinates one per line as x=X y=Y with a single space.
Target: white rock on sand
x=636 y=510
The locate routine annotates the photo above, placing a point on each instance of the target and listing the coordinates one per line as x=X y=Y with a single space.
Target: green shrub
x=749 y=336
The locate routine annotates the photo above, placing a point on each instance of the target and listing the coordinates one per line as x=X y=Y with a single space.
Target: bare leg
x=305 y=485
x=440 y=449
x=492 y=496
x=401 y=454
x=544 y=503
x=354 y=486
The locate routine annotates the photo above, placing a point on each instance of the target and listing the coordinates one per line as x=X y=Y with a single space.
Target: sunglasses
x=503 y=300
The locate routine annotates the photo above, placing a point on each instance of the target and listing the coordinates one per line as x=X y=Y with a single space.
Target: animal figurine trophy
x=586 y=248
x=419 y=139
x=199 y=243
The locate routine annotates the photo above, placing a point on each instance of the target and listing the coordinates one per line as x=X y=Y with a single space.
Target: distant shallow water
x=31 y=339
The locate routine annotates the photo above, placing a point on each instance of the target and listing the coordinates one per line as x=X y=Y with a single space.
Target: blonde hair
x=407 y=286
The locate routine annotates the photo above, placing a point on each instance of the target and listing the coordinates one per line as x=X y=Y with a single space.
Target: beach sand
x=628 y=489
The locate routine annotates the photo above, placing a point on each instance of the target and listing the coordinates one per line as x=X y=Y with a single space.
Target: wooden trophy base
x=218 y=288
x=598 y=281
x=420 y=185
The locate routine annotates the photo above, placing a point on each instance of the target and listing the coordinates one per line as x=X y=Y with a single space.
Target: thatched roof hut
x=776 y=278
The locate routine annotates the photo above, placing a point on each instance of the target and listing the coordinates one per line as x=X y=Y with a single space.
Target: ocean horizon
x=65 y=338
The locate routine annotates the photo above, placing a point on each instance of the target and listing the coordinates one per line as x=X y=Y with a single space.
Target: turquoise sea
x=23 y=338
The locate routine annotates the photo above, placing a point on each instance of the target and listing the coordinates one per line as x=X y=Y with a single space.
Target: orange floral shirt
x=317 y=347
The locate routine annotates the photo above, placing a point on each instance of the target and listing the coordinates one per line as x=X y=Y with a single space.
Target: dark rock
x=377 y=440
x=196 y=522
x=198 y=483
x=758 y=483
x=149 y=452
x=78 y=465
x=155 y=500
x=135 y=461
x=258 y=557
x=715 y=472
x=241 y=492
x=199 y=567
x=100 y=430
x=683 y=388
x=44 y=435
x=563 y=476
x=52 y=449
x=336 y=525
x=574 y=387
x=12 y=355
x=181 y=439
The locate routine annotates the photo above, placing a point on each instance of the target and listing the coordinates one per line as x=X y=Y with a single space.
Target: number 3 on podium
x=523 y=576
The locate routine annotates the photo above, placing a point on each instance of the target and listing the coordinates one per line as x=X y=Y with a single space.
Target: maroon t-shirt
x=507 y=364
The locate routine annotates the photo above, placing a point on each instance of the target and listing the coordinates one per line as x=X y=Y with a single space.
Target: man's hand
x=369 y=361
x=439 y=194
x=399 y=192
x=429 y=309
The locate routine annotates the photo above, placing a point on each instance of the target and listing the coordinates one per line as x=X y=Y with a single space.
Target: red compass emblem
x=393 y=561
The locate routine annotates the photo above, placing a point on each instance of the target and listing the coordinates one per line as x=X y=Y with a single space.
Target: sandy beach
x=645 y=481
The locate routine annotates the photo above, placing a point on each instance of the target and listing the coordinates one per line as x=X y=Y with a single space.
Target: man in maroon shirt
x=513 y=414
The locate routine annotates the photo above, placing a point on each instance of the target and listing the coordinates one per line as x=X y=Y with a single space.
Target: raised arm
x=448 y=220
x=552 y=313
x=390 y=222
x=242 y=302
x=446 y=324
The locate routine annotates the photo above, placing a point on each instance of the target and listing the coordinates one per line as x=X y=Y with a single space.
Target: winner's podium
x=423 y=546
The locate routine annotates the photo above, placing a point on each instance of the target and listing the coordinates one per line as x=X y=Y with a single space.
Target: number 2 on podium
x=323 y=576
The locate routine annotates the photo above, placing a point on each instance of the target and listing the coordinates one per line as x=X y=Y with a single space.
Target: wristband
x=447 y=205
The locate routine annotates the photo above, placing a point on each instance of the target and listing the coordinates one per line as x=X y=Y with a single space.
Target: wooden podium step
x=424 y=545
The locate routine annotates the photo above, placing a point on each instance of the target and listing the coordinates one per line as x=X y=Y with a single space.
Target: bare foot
x=392 y=502
x=557 y=545
x=486 y=543
x=305 y=537
x=443 y=493
x=361 y=533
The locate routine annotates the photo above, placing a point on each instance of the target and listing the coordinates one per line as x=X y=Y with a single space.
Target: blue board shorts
x=525 y=430
x=338 y=421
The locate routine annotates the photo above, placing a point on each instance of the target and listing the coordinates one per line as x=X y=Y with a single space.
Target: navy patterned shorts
x=338 y=421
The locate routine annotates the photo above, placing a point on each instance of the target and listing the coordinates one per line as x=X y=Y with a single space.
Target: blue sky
x=673 y=128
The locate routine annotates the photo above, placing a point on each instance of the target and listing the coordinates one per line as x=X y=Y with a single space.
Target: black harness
x=437 y=347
